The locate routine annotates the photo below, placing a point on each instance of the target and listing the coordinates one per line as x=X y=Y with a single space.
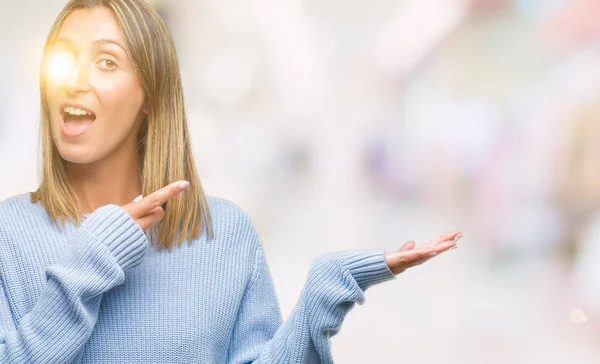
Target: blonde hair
x=164 y=145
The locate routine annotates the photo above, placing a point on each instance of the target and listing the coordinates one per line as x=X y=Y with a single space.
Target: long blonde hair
x=164 y=145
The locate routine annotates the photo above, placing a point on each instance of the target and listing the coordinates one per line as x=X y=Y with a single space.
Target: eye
x=107 y=64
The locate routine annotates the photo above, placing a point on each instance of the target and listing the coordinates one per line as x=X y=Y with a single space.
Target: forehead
x=89 y=25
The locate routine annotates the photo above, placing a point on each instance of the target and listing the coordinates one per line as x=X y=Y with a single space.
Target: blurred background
x=343 y=125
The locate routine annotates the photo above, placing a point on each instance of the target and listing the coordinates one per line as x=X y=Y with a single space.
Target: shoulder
x=231 y=222
x=19 y=199
x=226 y=208
x=18 y=207
x=18 y=214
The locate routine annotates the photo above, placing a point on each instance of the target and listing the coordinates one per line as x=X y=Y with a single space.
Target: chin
x=77 y=154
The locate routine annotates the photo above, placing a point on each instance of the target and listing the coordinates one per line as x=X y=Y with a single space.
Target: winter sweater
x=100 y=293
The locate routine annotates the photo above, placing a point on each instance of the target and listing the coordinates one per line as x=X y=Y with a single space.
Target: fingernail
x=184 y=185
x=138 y=198
x=457 y=237
x=433 y=254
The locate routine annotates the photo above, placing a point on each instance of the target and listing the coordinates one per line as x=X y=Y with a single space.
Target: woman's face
x=95 y=99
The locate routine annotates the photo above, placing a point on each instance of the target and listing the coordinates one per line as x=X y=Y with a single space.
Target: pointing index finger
x=161 y=196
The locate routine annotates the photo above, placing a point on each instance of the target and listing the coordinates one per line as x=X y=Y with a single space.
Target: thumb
x=409 y=245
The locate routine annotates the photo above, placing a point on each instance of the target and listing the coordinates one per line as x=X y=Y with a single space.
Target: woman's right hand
x=147 y=211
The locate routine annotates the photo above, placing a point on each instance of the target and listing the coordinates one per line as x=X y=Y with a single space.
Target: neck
x=113 y=180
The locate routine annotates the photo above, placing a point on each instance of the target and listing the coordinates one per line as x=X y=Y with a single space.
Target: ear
x=145 y=108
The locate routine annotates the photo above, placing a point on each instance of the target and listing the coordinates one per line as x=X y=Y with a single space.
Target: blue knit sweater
x=99 y=293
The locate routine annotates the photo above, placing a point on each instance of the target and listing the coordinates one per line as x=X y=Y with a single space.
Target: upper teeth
x=76 y=111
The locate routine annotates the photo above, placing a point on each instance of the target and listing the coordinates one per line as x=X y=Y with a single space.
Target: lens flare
x=60 y=67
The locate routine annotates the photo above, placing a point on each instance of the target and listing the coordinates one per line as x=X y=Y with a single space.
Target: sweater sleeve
x=62 y=319
x=336 y=281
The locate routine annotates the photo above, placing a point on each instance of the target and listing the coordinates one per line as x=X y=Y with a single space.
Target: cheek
x=51 y=92
x=52 y=101
x=120 y=98
x=110 y=83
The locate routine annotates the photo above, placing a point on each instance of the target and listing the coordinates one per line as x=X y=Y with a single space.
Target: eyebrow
x=99 y=41
x=109 y=41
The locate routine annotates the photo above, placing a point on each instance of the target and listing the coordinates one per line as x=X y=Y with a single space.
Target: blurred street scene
x=342 y=125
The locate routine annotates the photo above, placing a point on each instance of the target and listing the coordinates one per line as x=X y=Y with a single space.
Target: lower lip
x=70 y=133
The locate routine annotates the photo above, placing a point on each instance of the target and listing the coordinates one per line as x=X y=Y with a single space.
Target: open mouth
x=76 y=119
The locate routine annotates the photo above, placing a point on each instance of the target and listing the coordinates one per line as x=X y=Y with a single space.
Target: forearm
x=65 y=313
x=335 y=283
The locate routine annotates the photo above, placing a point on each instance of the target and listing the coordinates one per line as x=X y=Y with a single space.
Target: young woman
x=91 y=274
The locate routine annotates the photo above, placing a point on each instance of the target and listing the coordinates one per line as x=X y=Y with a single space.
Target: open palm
x=409 y=256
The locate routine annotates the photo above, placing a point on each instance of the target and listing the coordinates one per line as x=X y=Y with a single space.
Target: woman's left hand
x=409 y=256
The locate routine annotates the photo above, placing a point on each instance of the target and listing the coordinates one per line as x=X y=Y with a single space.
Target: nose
x=79 y=82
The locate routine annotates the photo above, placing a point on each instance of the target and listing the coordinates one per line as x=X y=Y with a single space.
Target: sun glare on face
x=60 y=67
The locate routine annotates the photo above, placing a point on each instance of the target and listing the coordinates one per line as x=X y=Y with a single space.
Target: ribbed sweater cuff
x=121 y=234
x=368 y=267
